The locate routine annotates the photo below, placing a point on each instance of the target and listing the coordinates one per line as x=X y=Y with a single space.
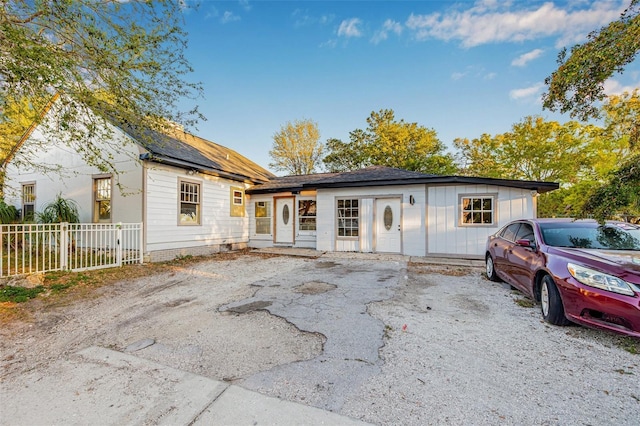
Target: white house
x=196 y=197
x=382 y=209
x=189 y=193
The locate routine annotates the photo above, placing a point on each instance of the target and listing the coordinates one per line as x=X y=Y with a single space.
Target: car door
x=522 y=259
x=501 y=248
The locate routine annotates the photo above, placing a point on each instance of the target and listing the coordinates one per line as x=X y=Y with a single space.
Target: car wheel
x=491 y=270
x=550 y=303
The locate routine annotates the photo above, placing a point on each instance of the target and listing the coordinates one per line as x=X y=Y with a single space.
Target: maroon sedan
x=578 y=270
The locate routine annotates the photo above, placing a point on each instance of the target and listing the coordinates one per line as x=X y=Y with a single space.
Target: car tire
x=551 y=303
x=490 y=269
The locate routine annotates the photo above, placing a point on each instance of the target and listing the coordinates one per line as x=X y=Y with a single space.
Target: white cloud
x=458 y=75
x=614 y=87
x=245 y=5
x=383 y=33
x=349 y=28
x=525 y=58
x=526 y=92
x=229 y=17
x=302 y=18
x=329 y=43
x=491 y=21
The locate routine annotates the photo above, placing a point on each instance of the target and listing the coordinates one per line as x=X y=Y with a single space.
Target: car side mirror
x=526 y=243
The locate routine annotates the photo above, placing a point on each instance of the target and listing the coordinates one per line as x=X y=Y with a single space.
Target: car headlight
x=599 y=280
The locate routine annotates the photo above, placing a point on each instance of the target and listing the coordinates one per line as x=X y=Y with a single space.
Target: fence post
x=64 y=245
x=141 y=242
x=119 y=243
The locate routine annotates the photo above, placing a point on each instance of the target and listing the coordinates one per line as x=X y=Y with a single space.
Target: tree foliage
x=575 y=155
x=577 y=84
x=107 y=59
x=534 y=149
x=620 y=196
x=392 y=143
x=296 y=148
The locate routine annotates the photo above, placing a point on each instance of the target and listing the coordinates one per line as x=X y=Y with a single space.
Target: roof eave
x=176 y=162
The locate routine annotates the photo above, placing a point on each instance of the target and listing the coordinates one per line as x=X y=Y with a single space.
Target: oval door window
x=285 y=214
x=388 y=218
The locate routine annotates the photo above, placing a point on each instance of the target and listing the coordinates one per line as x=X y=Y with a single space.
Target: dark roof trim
x=176 y=162
x=540 y=187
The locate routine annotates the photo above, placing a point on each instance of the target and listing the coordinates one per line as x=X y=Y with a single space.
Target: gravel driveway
x=377 y=338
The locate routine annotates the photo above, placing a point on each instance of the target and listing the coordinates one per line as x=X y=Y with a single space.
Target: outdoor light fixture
x=412 y=200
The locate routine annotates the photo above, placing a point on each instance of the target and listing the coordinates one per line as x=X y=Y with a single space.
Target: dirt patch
x=249 y=307
x=314 y=287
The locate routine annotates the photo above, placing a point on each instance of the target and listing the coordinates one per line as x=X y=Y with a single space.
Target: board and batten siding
x=413 y=229
x=217 y=227
x=445 y=235
x=74 y=179
x=302 y=239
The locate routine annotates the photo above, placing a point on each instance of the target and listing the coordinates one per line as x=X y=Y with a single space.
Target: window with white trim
x=348 y=215
x=263 y=217
x=477 y=210
x=307 y=215
x=189 y=203
x=102 y=199
x=28 y=201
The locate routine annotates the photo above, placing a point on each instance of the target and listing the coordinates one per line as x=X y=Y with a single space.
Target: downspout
x=144 y=207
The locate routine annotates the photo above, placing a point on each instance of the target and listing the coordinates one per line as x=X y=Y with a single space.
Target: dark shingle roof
x=385 y=176
x=186 y=150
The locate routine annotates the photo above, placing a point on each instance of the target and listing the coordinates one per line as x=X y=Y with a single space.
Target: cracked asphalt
x=329 y=298
x=377 y=338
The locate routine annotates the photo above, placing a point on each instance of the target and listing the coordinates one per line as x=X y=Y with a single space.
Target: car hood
x=627 y=259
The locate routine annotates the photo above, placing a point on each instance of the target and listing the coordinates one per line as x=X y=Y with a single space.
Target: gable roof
x=185 y=150
x=385 y=176
x=179 y=149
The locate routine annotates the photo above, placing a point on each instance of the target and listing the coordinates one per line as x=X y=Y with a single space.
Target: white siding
x=413 y=229
x=217 y=226
x=302 y=239
x=74 y=180
x=445 y=236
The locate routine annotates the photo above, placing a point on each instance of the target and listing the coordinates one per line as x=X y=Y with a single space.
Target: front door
x=285 y=220
x=388 y=230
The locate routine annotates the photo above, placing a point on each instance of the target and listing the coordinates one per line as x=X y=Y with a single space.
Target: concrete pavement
x=99 y=386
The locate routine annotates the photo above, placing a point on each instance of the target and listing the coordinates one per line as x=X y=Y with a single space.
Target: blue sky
x=462 y=68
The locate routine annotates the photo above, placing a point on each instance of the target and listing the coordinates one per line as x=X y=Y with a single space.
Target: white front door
x=285 y=220
x=388 y=224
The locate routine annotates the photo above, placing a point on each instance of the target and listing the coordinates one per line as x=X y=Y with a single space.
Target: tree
x=16 y=118
x=109 y=60
x=534 y=149
x=575 y=155
x=296 y=148
x=387 y=142
x=578 y=82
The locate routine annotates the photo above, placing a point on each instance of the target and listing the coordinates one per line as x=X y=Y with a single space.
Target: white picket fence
x=37 y=248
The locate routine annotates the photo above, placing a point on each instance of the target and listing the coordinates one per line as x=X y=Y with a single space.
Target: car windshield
x=591 y=236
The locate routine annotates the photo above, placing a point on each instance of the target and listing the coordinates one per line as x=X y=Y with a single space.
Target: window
x=307 y=215
x=348 y=218
x=263 y=217
x=477 y=210
x=102 y=199
x=28 y=201
x=525 y=233
x=189 y=203
x=237 y=202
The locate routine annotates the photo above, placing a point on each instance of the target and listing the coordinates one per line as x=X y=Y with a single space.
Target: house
x=382 y=209
x=188 y=192
x=197 y=197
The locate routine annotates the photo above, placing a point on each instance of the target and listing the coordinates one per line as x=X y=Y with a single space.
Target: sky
x=462 y=68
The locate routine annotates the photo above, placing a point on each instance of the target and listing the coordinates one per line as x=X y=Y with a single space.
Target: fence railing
x=36 y=248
